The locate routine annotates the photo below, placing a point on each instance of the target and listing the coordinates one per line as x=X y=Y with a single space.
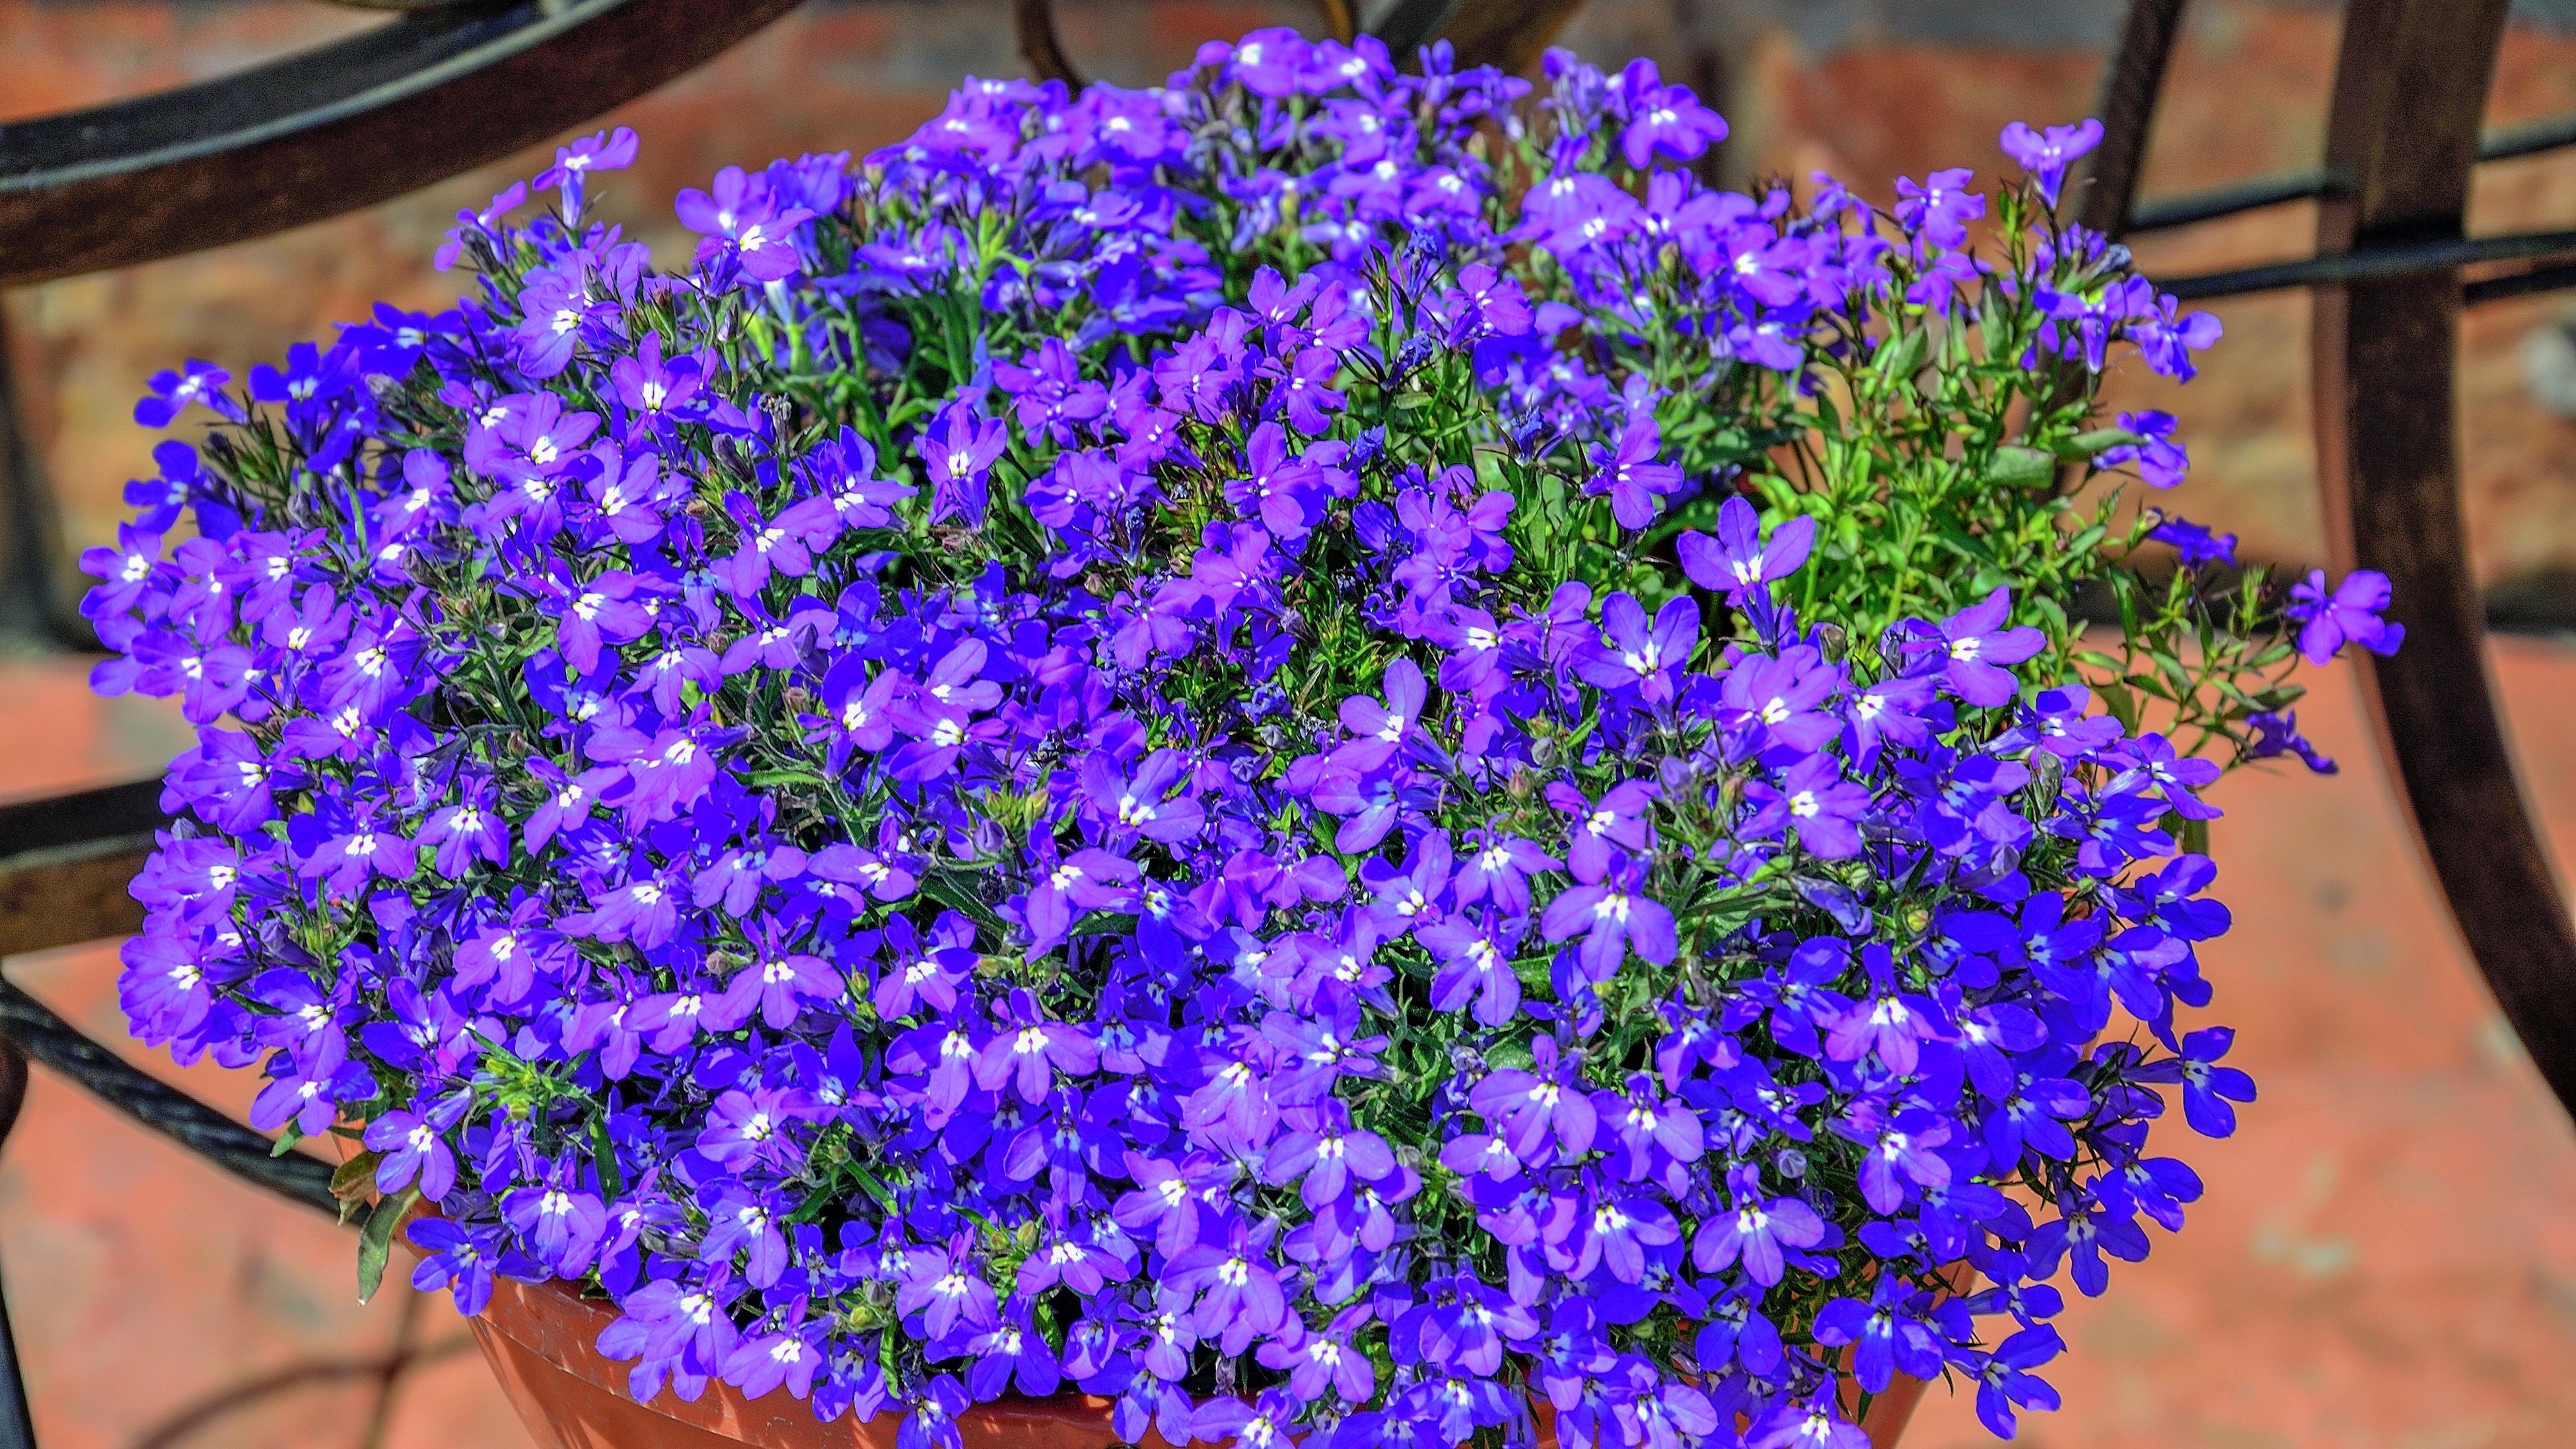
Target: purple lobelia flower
x=1632 y=477
x=878 y=796
x=458 y=1257
x=1601 y=828
x=415 y=1147
x=2349 y=614
x=1739 y=560
x=1028 y=1050
x=2276 y=732
x=1814 y=802
x=1380 y=727
x=1755 y=1232
x=2005 y=1383
x=1613 y=916
x=2193 y=543
x=174 y=391
x=1636 y=652
x=599 y=151
x=1664 y=120
x=1976 y=645
x=959 y=451
x=1940 y=206
x=2047 y=154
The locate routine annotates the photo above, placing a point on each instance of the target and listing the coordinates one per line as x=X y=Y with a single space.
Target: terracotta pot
x=539 y=1340
x=1889 y=1412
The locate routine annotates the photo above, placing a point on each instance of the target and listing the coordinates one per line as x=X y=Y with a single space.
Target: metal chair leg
x=17 y=1424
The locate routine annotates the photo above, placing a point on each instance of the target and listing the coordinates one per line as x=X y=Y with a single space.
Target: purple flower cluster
x=1113 y=751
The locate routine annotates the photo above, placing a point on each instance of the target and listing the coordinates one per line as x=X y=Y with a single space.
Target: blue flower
x=2047 y=154
x=2348 y=614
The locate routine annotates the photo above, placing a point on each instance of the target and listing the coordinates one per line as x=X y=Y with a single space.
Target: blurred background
x=2386 y=1255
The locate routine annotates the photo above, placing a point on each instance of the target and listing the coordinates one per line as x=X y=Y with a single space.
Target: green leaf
x=353 y=1175
x=2051 y=612
x=1722 y=916
x=943 y=886
x=604 y=1152
x=1902 y=357
x=2100 y=440
x=376 y=1240
x=2123 y=705
x=354 y=1179
x=2015 y=466
x=869 y=1184
x=2195 y=837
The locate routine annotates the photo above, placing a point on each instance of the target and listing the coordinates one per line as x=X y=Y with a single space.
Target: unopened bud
x=2047 y=776
x=1730 y=793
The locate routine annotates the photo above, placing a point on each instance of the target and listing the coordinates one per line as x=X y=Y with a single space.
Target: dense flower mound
x=1322 y=750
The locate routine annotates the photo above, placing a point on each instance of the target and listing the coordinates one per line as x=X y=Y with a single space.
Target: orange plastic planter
x=539 y=1340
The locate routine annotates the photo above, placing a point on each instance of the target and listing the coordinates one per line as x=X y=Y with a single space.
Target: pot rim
x=556 y=1322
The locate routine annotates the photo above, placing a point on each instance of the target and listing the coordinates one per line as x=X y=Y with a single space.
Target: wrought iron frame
x=335 y=129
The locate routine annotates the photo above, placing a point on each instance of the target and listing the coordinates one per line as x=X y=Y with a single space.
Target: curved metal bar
x=2505 y=143
x=2409 y=85
x=35 y=1029
x=2530 y=138
x=336 y=128
x=13 y=1087
x=1340 y=21
x=63 y=879
x=2556 y=277
x=2418 y=257
x=1039 y=44
x=2131 y=86
x=66 y=862
x=1508 y=35
x=1408 y=25
x=2163 y=213
x=38 y=601
x=17 y=1420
